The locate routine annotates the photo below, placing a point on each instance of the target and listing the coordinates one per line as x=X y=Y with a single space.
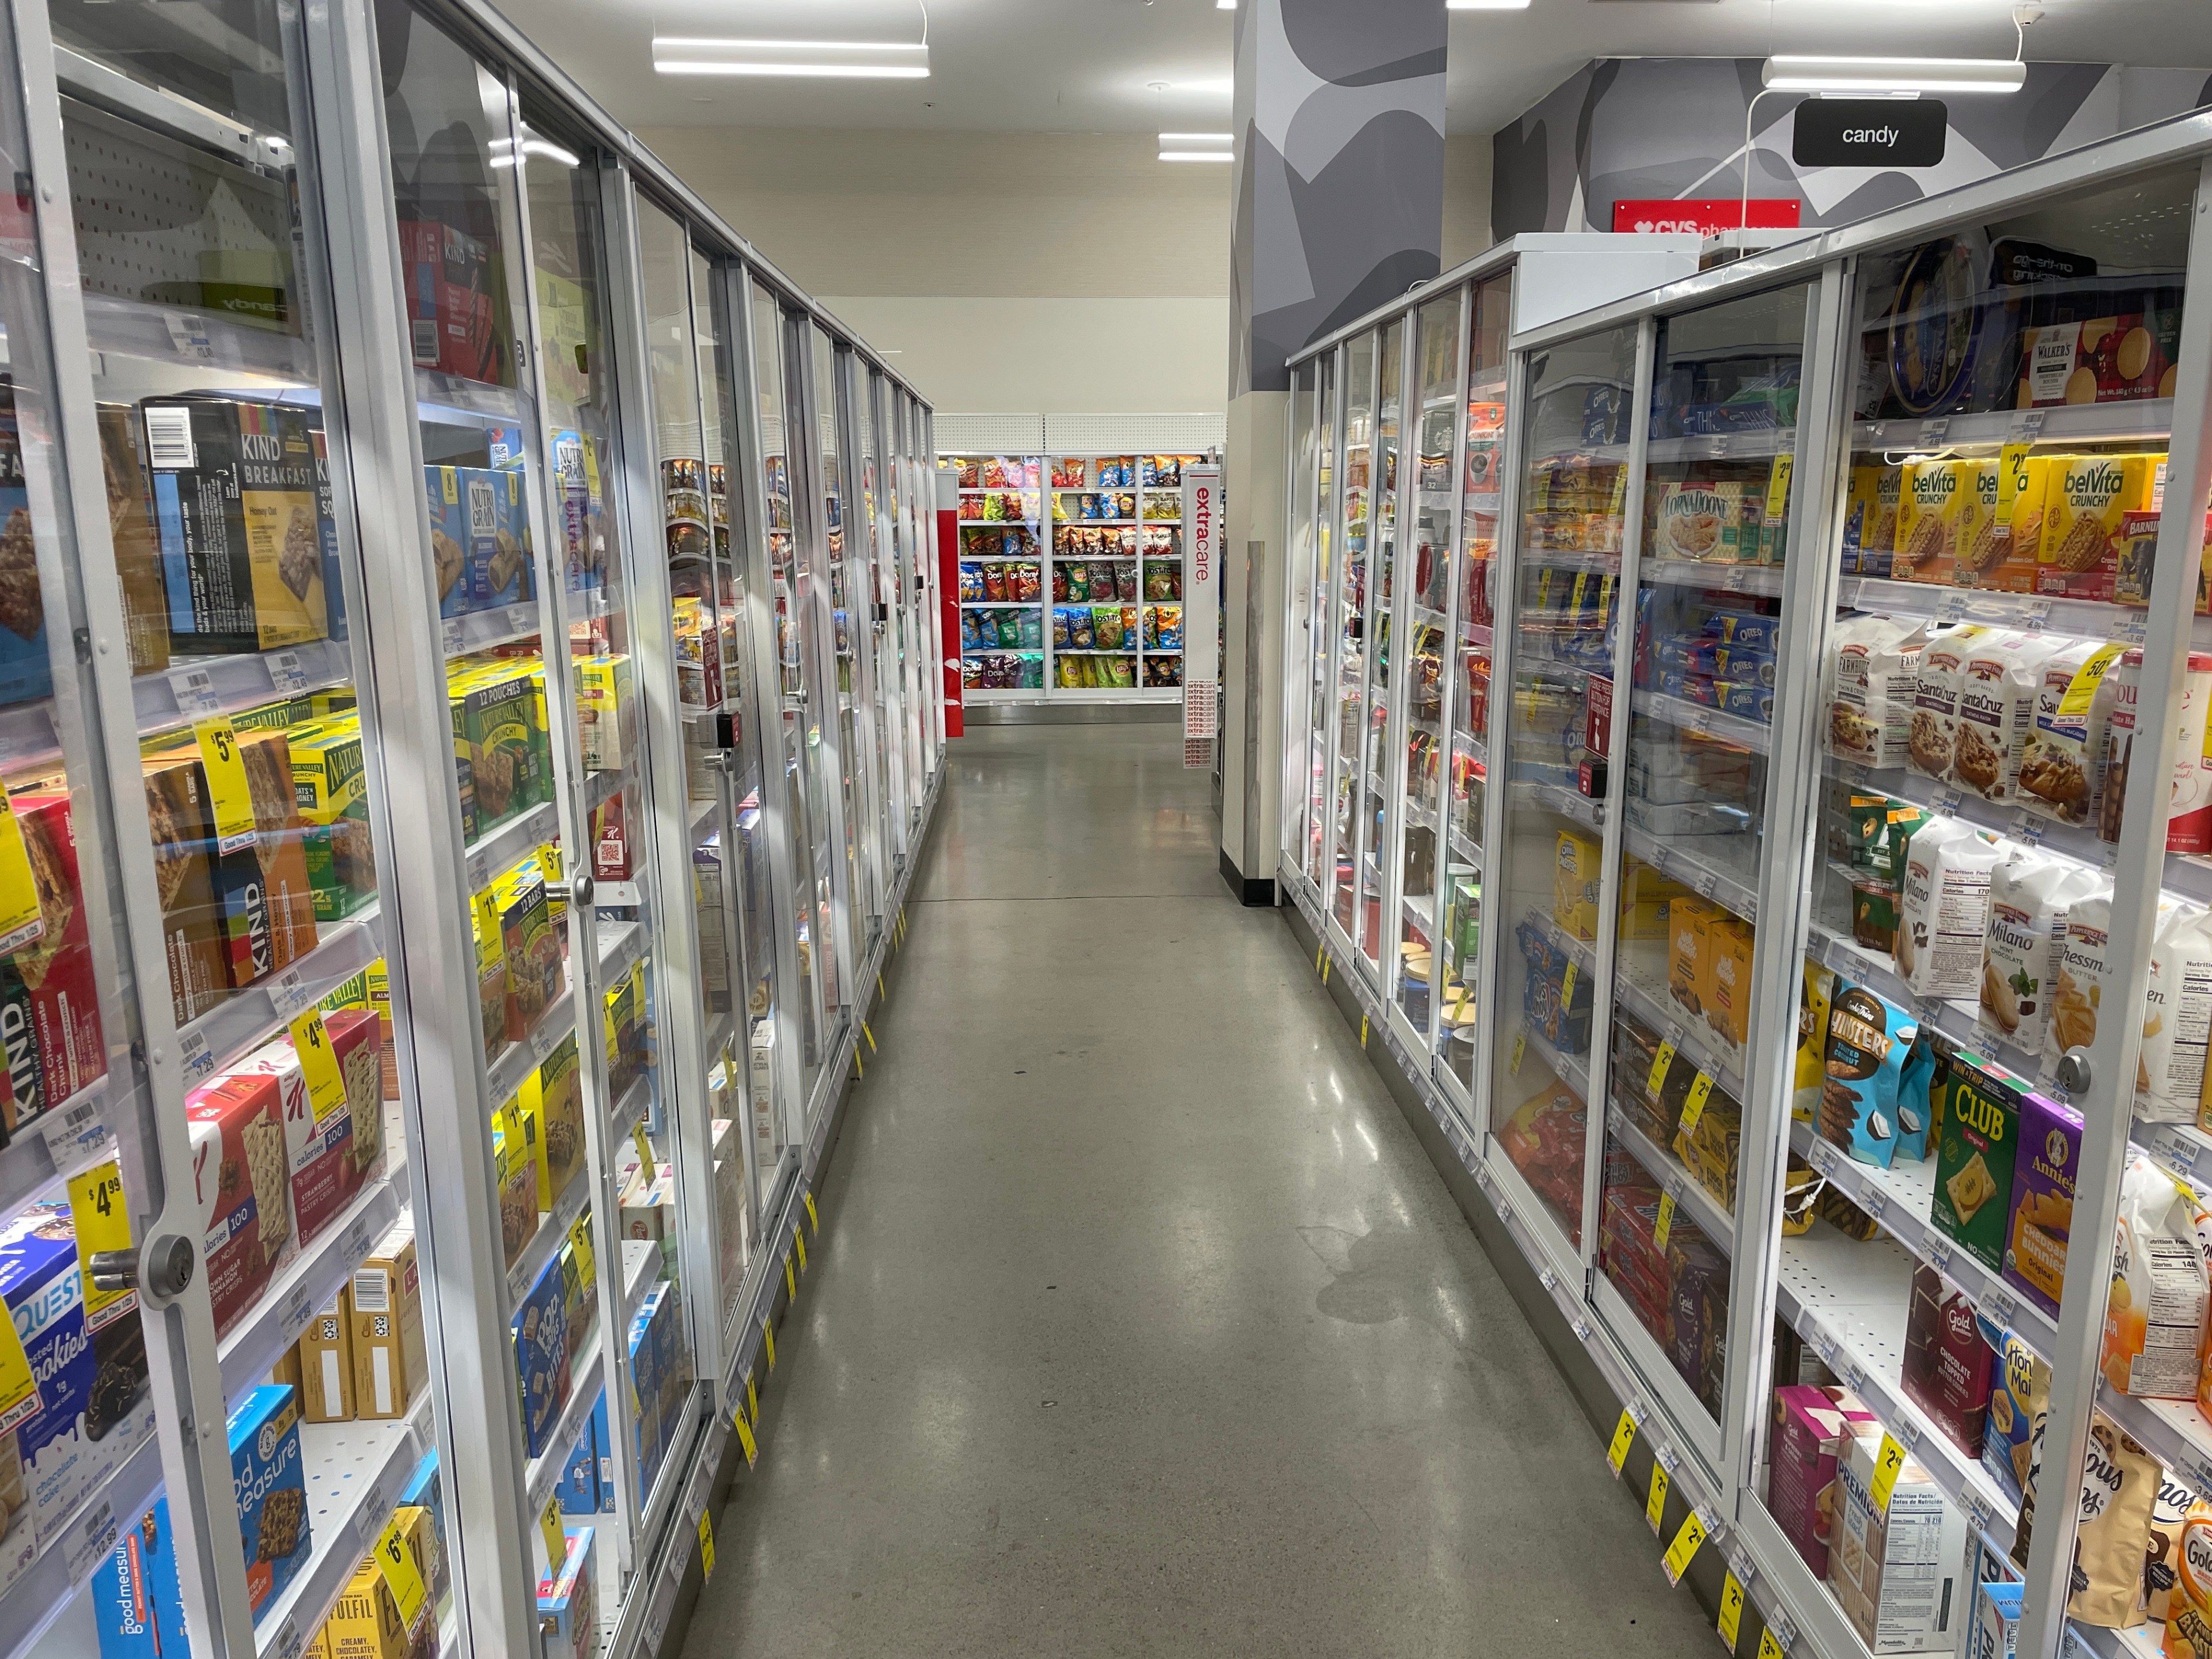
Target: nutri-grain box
x=235 y=511
x=242 y=1176
x=2042 y=1211
x=331 y=1152
x=270 y=1485
x=49 y=998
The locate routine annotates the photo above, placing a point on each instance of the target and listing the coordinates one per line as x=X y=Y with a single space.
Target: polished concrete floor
x=1142 y=1324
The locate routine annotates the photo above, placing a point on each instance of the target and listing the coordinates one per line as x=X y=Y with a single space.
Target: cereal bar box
x=242 y=1176
x=270 y=1485
x=2084 y=516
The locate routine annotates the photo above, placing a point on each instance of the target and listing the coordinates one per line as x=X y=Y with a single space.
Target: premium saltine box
x=236 y=515
x=1894 y=1569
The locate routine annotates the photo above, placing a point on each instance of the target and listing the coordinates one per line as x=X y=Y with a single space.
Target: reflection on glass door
x=857 y=648
x=1545 y=879
x=1373 y=769
x=1349 y=804
x=1313 y=770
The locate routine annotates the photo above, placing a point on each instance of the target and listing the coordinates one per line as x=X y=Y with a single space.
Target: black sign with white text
x=1869 y=132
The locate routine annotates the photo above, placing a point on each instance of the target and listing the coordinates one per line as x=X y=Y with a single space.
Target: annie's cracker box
x=49 y=999
x=234 y=507
x=390 y=1361
x=2042 y=1211
x=1974 y=1161
x=2084 y=514
x=270 y=1487
x=328 y=1151
x=241 y=1176
x=94 y=1404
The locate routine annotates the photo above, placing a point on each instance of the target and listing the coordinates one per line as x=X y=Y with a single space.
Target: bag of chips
x=1028 y=587
x=2120 y=1484
x=1080 y=634
x=1813 y=998
x=1125 y=580
x=1120 y=672
x=1106 y=626
x=1078 y=582
x=1059 y=584
x=1170 y=628
x=1059 y=631
x=1868 y=1041
x=995 y=583
x=971 y=583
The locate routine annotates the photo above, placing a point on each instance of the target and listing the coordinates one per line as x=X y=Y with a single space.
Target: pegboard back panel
x=1010 y=434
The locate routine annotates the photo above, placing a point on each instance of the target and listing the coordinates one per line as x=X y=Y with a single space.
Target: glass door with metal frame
x=1349 y=805
x=1376 y=815
x=862 y=711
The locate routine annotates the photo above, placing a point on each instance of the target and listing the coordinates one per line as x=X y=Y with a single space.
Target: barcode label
x=286 y=672
x=456 y=641
x=288 y=1641
x=426 y=342
x=289 y=995
x=299 y=1310
x=194 y=1058
x=169 y=445
x=188 y=336
x=193 y=688
x=66 y=1126
x=372 y=1291
x=89 y=1540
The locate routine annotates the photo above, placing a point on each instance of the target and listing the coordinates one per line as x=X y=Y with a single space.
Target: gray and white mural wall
x=1626 y=128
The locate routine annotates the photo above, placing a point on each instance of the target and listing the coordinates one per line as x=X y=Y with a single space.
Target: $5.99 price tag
x=229 y=796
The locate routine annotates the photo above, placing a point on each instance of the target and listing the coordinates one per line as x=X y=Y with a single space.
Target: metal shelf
x=1686 y=1190
x=1697 y=718
x=55 y=1575
x=252 y=1016
x=2143 y=417
x=480 y=630
x=1761 y=579
x=309 y=1280
x=439 y=393
x=195 y=687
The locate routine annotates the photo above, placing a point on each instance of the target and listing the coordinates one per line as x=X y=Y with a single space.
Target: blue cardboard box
x=568 y=1602
x=580 y=1476
x=26 y=670
x=136 y=1601
x=541 y=1356
x=644 y=1378
x=270 y=1485
x=499 y=551
x=425 y=1491
x=602 y=1447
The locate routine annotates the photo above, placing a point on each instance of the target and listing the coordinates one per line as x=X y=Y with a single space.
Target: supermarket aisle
x=1143 y=1324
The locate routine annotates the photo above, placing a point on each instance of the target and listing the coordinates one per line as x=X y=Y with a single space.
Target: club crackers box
x=541 y=1356
x=49 y=996
x=241 y=1174
x=1974 y=1161
x=236 y=513
x=136 y=1599
x=94 y=1408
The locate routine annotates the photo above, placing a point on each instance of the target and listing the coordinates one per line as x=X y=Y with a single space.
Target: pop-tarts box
x=425 y=1491
x=541 y=1356
x=270 y=1485
x=568 y=1602
x=94 y=1407
x=579 y=1474
x=136 y=1601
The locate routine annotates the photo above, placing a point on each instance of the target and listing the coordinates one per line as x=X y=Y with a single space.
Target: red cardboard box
x=329 y=1156
x=49 y=999
x=1812 y=1427
x=242 y=1178
x=422 y=260
x=1946 y=1361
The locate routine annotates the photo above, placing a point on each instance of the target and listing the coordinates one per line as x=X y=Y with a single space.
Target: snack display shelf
x=1543 y=658
x=1069 y=651
x=199 y=687
x=1000 y=605
x=1677 y=1183
x=34 y=1601
x=1435 y=500
x=629 y=1111
x=1417 y=812
x=1476 y=636
x=354 y=1473
x=2143 y=417
x=1704 y=722
x=1101 y=523
x=1573 y=1070
x=1765 y=579
x=1428 y=618
x=438 y=393
x=600 y=787
x=545 y=1243
x=1596 y=561
x=1416 y=906
x=1463 y=848
x=2030 y=612
x=1000 y=524
x=63 y=1140
x=310 y=1278
x=1849 y=1299
x=1956 y=1020
x=1757 y=443
x=519 y=1060
x=544 y=1473
x=198 y=339
x=1567 y=803
x=1709 y=871
x=500 y=848
x=703 y=813
x=1694 y=1041
x=480 y=630
x=228 y=1030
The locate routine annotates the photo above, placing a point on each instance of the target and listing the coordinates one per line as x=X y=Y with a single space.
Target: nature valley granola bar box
x=499 y=726
x=2086 y=512
x=330 y=787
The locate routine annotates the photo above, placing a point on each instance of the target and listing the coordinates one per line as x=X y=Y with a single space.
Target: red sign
x=1704 y=217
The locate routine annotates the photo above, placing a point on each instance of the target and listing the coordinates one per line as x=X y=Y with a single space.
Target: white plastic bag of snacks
x=1943 y=907
x=1997 y=687
x=1873 y=675
x=2058 y=766
x=1935 y=698
x=2085 y=973
x=2155 y=1309
x=2190 y=803
x=2029 y=897
x=2177 y=1018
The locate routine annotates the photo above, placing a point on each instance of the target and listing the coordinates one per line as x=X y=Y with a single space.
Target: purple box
x=1812 y=1428
x=2049 y=1149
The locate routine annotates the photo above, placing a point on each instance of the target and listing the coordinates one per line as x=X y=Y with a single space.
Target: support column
x=1339 y=122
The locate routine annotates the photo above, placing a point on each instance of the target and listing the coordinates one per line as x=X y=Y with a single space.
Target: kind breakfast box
x=270 y=1487
x=94 y=1407
x=235 y=511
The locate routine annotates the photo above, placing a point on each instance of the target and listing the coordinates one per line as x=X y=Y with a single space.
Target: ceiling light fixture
x=1485 y=5
x=864 y=60
x=1198 y=147
x=1872 y=76
x=1197 y=156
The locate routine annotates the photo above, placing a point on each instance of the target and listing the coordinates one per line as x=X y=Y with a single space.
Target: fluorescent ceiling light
x=1197 y=156
x=1485 y=5
x=1198 y=137
x=865 y=60
x=1878 y=75
x=545 y=148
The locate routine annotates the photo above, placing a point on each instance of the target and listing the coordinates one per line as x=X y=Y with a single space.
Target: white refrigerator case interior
x=1801 y=561
x=464 y=1198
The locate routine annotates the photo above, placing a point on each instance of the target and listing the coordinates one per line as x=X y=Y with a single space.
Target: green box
x=499 y=722
x=1974 y=1158
x=330 y=787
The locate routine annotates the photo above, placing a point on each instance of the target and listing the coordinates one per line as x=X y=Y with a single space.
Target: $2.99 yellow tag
x=229 y=796
x=318 y=1064
x=396 y=1562
x=1520 y=1047
x=1624 y=1437
x=1778 y=486
x=21 y=921
x=2012 y=473
x=813 y=1216
x=1664 y=1225
x=790 y=1278
x=1567 y=987
x=1731 y=1619
x=1681 y=1552
x=644 y=1147
x=1887 y=1463
x=101 y=1222
x=1654 y=1506
x=752 y=1397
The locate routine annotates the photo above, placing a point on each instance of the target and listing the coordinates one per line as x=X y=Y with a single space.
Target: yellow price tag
x=318 y=1064
x=705 y=1547
x=1575 y=597
x=1624 y=1437
x=1676 y=1562
x=644 y=1147
x=19 y=1389
x=228 y=794
x=1544 y=589
x=1693 y=1104
x=580 y=1239
x=1769 y=1647
x=1665 y=1225
x=1778 y=486
x=1363 y=1030
x=790 y=1278
x=813 y=1216
x=21 y=921
x=767 y=1341
x=396 y=1562
x=745 y=1440
x=1604 y=600
x=1520 y=1047
x=798 y=1243
x=557 y=1541
x=2011 y=473
x=1731 y=1619
x=752 y=1397
x=1567 y=985
x=101 y=1222
x=1660 y=1063
x=1654 y=1506
x=1887 y=1464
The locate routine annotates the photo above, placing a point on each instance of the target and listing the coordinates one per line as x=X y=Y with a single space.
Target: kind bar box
x=326 y=1362
x=95 y=1408
x=136 y=1598
x=241 y=1172
x=234 y=508
x=131 y=527
x=1972 y=1203
x=1895 y=1571
x=49 y=999
x=270 y=1487
x=1812 y=1427
x=390 y=1362
x=1948 y=1360
x=2042 y=1209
